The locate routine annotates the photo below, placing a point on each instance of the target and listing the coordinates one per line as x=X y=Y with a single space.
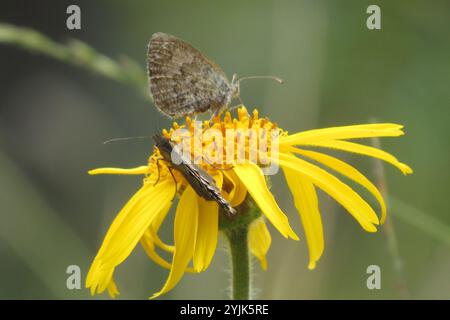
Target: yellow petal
x=112 y=289
x=154 y=228
x=343 y=194
x=105 y=280
x=139 y=218
x=348 y=171
x=207 y=234
x=92 y=279
x=125 y=231
x=218 y=179
x=238 y=192
x=307 y=204
x=253 y=179
x=151 y=238
x=149 y=247
x=185 y=234
x=365 y=150
x=259 y=241
x=158 y=242
x=137 y=170
x=344 y=132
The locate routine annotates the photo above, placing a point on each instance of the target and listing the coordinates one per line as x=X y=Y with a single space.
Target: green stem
x=77 y=53
x=236 y=229
x=237 y=238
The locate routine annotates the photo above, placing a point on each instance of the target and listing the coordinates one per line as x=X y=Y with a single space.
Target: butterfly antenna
x=125 y=139
x=277 y=79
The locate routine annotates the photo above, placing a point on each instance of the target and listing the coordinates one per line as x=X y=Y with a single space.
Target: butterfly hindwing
x=182 y=80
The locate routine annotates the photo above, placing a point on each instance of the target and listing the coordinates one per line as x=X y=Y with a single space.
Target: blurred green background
x=54 y=118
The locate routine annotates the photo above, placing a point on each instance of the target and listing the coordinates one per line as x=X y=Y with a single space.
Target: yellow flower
x=197 y=221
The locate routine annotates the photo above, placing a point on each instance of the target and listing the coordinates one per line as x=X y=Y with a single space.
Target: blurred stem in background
x=36 y=232
x=420 y=220
x=389 y=228
x=77 y=53
x=402 y=210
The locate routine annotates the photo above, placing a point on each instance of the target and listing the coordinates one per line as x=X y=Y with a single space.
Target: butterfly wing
x=182 y=80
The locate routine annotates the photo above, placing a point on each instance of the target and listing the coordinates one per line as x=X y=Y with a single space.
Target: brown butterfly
x=201 y=181
x=184 y=82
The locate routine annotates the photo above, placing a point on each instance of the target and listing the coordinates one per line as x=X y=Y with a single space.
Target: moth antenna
x=125 y=139
x=277 y=79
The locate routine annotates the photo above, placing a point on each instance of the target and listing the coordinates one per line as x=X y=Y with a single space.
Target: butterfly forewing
x=182 y=80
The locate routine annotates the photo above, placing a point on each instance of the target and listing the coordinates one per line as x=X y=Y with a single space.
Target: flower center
x=220 y=144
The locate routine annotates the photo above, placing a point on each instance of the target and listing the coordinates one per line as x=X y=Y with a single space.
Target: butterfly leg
x=237 y=106
x=217 y=112
x=214 y=114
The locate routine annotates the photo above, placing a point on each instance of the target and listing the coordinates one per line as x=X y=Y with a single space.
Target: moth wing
x=201 y=181
x=205 y=186
x=182 y=80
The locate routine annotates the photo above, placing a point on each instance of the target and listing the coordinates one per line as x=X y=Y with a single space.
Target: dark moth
x=201 y=181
